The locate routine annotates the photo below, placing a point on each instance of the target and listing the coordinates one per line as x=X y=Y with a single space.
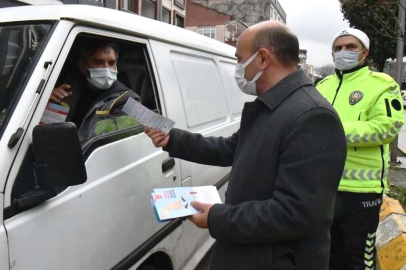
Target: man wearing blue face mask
x=287 y=159
x=94 y=89
x=370 y=107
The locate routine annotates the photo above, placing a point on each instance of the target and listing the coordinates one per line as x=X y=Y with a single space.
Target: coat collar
x=352 y=73
x=277 y=94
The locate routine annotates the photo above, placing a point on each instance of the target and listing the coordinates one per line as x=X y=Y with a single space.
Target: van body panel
x=4 y=263
x=199 y=94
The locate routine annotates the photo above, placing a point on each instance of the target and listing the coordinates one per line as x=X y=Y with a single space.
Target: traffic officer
x=370 y=107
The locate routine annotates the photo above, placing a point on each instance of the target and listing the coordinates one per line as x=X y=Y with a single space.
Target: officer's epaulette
x=382 y=76
x=325 y=79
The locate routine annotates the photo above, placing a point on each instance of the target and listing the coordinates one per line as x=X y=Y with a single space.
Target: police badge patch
x=355 y=97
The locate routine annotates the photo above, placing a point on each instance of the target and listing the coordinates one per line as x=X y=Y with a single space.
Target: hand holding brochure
x=147 y=117
x=54 y=113
x=170 y=203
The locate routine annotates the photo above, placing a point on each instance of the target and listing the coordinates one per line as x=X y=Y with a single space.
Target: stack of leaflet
x=170 y=203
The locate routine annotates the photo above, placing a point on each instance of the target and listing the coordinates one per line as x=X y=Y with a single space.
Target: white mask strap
x=250 y=59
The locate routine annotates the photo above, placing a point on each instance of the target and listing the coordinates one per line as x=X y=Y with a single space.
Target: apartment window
x=271 y=13
x=122 y=4
x=180 y=3
x=275 y=15
x=178 y=20
x=131 y=5
x=166 y=15
x=208 y=31
x=148 y=9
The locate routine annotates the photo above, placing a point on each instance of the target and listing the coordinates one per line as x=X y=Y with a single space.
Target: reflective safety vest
x=370 y=107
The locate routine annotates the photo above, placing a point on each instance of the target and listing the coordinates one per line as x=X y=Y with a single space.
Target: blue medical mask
x=345 y=60
x=101 y=78
x=248 y=87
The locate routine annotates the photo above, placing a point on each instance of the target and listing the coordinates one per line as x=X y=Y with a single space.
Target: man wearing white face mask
x=370 y=107
x=94 y=88
x=287 y=159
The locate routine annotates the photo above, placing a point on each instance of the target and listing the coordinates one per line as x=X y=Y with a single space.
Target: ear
x=82 y=67
x=366 y=52
x=265 y=58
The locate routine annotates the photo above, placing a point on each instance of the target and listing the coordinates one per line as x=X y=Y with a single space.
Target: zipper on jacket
x=341 y=76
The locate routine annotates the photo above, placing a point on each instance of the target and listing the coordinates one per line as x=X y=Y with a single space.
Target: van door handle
x=168 y=164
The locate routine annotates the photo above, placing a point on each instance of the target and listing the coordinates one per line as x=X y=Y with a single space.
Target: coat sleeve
x=311 y=162
x=216 y=151
x=383 y=124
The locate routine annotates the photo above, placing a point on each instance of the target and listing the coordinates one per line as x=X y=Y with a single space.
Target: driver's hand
x=60 y=93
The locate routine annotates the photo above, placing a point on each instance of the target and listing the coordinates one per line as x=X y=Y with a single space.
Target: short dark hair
x=90 y=49
x=281 y=41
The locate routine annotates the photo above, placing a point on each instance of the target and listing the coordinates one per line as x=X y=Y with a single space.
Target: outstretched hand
x=158 y=137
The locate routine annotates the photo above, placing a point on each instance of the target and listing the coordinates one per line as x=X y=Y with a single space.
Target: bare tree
x=326 y=70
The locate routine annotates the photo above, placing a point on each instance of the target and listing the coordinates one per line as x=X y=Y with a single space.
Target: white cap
x=361 y=36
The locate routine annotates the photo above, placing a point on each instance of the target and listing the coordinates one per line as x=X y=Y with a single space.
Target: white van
x=53 y=216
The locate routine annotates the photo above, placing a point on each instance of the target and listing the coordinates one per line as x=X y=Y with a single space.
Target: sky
x=315 y=23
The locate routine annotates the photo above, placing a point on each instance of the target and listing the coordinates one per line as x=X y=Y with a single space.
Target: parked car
x=66 y=205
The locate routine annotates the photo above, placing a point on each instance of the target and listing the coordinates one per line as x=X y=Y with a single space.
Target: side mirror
x=58 y=158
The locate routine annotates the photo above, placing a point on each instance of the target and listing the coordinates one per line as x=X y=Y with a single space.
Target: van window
x=201 y=87
x=94 y=104
x=19 y=46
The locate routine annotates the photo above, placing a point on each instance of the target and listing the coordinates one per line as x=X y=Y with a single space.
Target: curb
x=391 y=236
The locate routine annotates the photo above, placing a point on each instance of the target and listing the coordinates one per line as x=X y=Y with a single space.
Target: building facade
x=248 y=11
x=213 y=24
x=307 y=68
x=277 y=12
x=172 y=11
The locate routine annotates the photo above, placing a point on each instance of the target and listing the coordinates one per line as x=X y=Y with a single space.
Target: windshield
x=19 y=45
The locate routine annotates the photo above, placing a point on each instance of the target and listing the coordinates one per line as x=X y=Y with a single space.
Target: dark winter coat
x=287 y=160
